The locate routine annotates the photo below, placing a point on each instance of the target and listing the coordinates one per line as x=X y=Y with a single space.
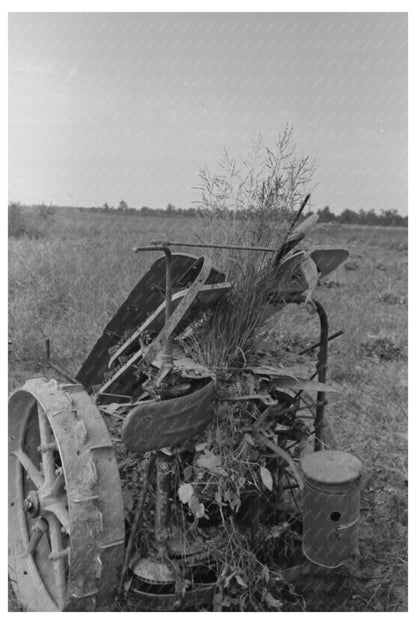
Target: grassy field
x=68 y=283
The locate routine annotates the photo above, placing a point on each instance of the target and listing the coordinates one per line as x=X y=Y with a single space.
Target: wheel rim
x=66 y=521
x=289 y=473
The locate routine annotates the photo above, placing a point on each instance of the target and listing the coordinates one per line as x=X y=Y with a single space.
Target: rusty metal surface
x=321 y=370
x=163 y=497
x=145 y=297
x=94 y=500
x=331 y=507
x=205 y=296
x=188 y=368
x=332 y=467
x=145 y=601
x=296 y=275
x=327 y=260
x=154 y=571
x=200 y=245
x=154 y=425
x=183 y=301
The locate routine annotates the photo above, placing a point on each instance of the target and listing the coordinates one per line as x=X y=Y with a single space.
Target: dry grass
x=67 y=285
x=370 y=416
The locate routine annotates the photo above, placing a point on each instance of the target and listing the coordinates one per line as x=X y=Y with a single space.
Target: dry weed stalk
x=249 y=202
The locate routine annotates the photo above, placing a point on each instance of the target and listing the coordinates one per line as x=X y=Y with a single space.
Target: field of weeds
x=67 y=283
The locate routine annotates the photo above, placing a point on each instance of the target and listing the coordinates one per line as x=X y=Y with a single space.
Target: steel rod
x=162 y=497
x=158 y=245
x=322 y=364
x=137 y=515
x=56 y=368
x=317 y=344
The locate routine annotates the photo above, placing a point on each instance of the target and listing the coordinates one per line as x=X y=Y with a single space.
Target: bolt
x=31 y=504
x=28 y=505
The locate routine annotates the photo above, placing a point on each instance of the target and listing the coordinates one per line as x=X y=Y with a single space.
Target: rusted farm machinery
x=123 y=426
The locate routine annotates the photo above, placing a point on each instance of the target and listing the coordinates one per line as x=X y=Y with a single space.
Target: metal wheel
x=66 y=516
x=295 y=440
x=298 y=450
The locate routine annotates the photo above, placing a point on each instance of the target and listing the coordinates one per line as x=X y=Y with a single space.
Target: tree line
x=348 y=216
x=363 y=217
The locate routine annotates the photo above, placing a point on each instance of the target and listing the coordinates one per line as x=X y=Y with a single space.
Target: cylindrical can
x=331 y=507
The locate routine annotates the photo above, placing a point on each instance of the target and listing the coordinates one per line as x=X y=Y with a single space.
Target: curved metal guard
x=154 y=425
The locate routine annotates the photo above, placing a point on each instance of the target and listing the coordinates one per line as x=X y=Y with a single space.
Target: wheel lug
x=31 y=504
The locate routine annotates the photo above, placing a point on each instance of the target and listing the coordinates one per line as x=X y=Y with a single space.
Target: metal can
x=331 y=507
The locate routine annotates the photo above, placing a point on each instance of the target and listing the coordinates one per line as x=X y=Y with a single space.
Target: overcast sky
x=104 y=107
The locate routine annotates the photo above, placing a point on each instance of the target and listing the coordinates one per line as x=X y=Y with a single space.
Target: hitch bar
x=56 y=368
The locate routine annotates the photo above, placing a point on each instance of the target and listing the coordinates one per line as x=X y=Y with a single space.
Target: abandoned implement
x=113 y=498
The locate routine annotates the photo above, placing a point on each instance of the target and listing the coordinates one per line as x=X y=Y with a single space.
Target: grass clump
x=20 y=224
x=248 y=202
x=32 y=223
x=391 y=298
x=381 y=348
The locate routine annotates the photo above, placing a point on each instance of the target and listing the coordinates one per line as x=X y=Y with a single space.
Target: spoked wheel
x=66 y=518
x=297 y=450
x=293 y=442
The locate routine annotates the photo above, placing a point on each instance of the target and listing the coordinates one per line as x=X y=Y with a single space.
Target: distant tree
x=362 y=216
x=325 y=215
x=348 y=216
x=123 y=205
x=17 y=221
x=170 y=209
x=106 y=206
x=391 y=217
x=23 y=222
x=371 y=218
x=45 y=212
x=368 y=217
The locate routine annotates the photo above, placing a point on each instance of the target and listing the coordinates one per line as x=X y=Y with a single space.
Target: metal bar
x=118 y=396
x=46 y=440
x=168 y=292
x=136 y=520
x=317 y=344
x=180 y=311
x=296 y=443
x=167 y=353
x=204 y=245
x=155 y=247
x=322 y=364
x=56 y=368
x=299 y=212
x=33 y=473
x=289 y=242
x=58 y=563
x=291 y=493
x=162 y=496
x=59 y=554
x=39 y=529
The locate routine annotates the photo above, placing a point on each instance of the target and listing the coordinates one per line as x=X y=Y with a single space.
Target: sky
x=111 y=106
